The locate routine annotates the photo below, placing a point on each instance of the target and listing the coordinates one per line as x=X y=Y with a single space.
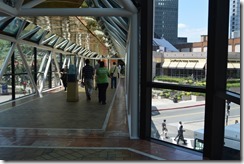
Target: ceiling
x=98 y=25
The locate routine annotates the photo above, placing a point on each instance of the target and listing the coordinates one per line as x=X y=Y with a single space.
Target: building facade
x=191 y=60
x=166 y=20
x=234 y=19
x=233 y=45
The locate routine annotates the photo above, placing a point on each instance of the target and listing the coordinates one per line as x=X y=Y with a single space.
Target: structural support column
x=146 y=20
x=133 y=79
x=216 y=79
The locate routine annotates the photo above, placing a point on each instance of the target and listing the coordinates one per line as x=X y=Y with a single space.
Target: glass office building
x=166 y=20
x=235 y=18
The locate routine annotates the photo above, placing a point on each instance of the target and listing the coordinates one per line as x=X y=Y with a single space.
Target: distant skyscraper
x=235 y=18
x=166 y=20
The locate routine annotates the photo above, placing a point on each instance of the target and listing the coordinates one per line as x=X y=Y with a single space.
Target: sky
x=192 y=19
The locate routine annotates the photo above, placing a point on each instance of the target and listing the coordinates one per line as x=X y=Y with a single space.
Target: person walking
x=87 y=78
x=102 y=75
x=64 y=77
x=180 y=135
x=119 y=69
x=164 y=129
x=96 y=67
x=178 y=128
x=113 y=75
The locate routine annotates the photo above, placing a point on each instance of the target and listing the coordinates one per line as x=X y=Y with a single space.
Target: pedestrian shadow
x=154 y=111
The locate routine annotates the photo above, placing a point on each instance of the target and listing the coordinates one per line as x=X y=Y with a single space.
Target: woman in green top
x=102 y=75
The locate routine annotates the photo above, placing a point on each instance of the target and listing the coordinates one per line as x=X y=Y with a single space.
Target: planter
x=185 y=97
x=197 y=98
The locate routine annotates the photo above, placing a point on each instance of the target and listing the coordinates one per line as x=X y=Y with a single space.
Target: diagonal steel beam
x=6 y=9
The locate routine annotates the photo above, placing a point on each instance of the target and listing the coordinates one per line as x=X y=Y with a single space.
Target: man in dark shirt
x=180 y=135
x=164 y=129
x=87 y=78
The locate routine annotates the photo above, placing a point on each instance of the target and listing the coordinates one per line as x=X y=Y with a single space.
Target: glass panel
x=46 y=85
x=233 y=72
x=63 y=45
x=23 y=85
x=12 y=27
x=52 y=76
x=6 y=87
x=175 y=106
x=233 y=66
x=180 y=42
x=53 y=41
x=47 y=36
x=42 y=57
x=4 y=48
x=58 y=42
x=71 y=46
x=2 y=17
x=5 y=83
x=28 y=52
x=28 y=28
x=179 y=57
x=55 y=75
x=232 y=131
x=59 y=57
x=1 y=20
x=196 y=78
x=37 y=36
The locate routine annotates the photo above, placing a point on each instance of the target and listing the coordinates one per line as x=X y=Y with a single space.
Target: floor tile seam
x=88 y=148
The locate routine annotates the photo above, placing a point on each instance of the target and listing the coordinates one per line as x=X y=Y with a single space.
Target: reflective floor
x=52 y=128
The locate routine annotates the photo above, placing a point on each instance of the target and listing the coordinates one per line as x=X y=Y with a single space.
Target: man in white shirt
x=113 y=75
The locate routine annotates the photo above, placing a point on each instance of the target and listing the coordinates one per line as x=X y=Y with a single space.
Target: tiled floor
x=50 y=128
x=65 y=154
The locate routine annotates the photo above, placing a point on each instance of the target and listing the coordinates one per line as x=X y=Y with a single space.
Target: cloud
x=192 y=34
x=181 y=25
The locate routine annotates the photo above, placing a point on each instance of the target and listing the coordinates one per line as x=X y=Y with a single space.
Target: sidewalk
x=166 y=104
